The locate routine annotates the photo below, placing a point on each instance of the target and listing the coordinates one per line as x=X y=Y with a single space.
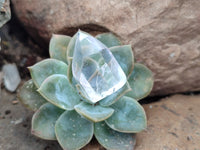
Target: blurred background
x=165 y=36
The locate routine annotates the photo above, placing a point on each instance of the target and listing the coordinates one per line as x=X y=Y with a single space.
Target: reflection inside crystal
x=95 y=69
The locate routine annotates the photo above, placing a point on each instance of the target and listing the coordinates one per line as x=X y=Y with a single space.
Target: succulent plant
x=89 y=86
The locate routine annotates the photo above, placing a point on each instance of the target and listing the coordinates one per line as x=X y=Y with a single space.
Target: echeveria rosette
x=64 y=114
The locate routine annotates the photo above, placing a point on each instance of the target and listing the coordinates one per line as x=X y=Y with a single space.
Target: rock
x=5 y=14
x=173 y=124
x=11 y=77
x=165 y=35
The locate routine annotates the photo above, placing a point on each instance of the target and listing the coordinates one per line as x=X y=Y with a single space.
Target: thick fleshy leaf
x=111 y=99
x=58 y=47
x=43 y=121
x=141 y=82
x=69 y=72
x=70 y=48
x=109 y=39
x=95 y=113
x=57 y=90
x=29 y=96
x=124 y=55
x=42 y=70
x=113 y=140
x=78 y=88
x=129 y=116
x=73 y=131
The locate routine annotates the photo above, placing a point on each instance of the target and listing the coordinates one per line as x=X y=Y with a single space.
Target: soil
x=15 y=127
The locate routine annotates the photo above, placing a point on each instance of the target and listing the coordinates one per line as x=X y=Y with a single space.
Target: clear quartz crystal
x=95 y=69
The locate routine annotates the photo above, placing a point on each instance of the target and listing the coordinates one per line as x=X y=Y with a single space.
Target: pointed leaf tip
x=42 y=70
x=29 y=96
x=58 y=47
x=129 y=116
x=94 y=113
x=43 y=121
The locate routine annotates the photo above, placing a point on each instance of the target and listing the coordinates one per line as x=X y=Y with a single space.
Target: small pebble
x=189 y=138
x=15 y=102
x=17 y=121
x=11 y=77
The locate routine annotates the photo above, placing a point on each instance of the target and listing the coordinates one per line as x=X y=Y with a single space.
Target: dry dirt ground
x=15 y=127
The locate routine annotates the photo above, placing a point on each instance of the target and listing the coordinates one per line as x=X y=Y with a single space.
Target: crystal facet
x=95 y=69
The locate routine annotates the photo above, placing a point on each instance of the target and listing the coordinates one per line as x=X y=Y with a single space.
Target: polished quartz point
x=95 y=69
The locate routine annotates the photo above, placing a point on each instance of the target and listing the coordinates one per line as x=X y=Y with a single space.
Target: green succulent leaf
x=58 y=47
x=109 y=39
x=111 y=99
x=43 y=121
x=94 y=113
x=30 y=97
x=42 y=70
x=113 y=140
x=129 y=116
x=70 y=48
x=141 y=82
x=69 y=72
x=57 y=90
x=73 y=131
x=70 y=75
x=80 y=92
x=124 y=56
